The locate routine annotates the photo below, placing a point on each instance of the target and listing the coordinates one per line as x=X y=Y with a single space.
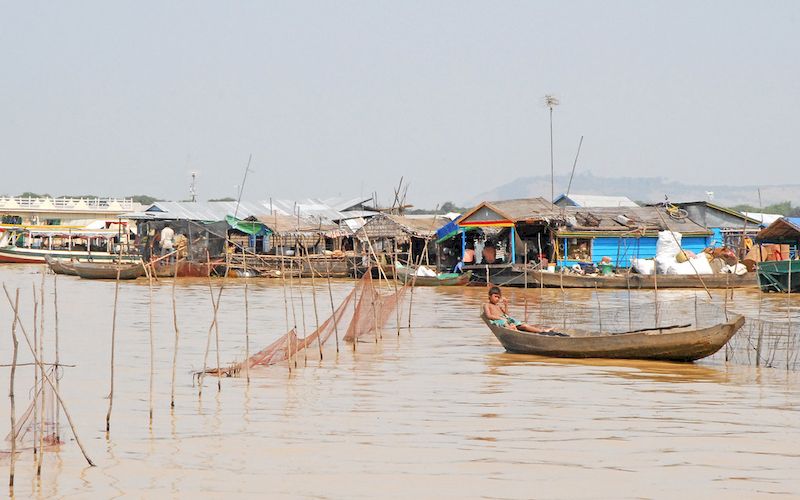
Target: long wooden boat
x=323 y=266
x=108 y=271
x=779 y=276
x=640 y=281
x=682 y=343
x=18 y=255
x=61 y=266
x=405 y=275
x=31 y=244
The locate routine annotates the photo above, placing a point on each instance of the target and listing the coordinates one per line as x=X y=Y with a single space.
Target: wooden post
x=314 y=298
x=292 y=345
x=298 y=253
x=286 y=312
x=42 y=428
x=151 y=342
x=333 y=308
x=246 y=321
x=177 y=333
x=525 y=272
x=11 y=398
x=36 y=371
x=58 y=359
x=47 y=378
x=397 y=303
x=655 y=292
x=113 y=345
x=599 y=310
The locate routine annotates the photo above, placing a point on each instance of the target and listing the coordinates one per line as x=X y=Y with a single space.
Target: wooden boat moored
x=60 y=266
x=676 y=343
x=779 y=276
x=640 y=281
x=108 y=270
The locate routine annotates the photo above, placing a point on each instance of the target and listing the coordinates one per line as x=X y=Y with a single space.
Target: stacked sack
x=670 y=259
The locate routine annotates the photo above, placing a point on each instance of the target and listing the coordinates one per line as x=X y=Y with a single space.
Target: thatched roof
x=398 y=226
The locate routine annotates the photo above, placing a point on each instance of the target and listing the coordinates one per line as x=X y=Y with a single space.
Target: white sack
x=425 y=271
x=644 y=266
x=668 y=244
x=697 y=265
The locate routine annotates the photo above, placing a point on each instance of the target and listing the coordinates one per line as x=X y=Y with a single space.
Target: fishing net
x=31 y=423
x=366 y=314
x=373 y=309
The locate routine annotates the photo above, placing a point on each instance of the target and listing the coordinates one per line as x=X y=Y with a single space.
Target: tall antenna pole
x=192 y=190
x=551 y=102
x=241 y=189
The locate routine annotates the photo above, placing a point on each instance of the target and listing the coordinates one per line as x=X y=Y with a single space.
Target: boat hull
x=405 y=276
x=683 y=344
x=640 y=281
x=17 y=255
x=61 y=266
x=108 y=271
x=779 y=276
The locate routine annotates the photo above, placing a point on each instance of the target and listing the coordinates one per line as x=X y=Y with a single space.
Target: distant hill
x=647 y=189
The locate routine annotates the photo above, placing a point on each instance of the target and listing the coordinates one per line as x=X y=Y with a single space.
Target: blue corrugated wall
x=641 y=248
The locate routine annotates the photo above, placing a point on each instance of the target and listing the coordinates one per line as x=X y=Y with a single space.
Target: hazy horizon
x=345 y=98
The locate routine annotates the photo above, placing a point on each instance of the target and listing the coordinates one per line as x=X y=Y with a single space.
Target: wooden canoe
x=61 y=266
x=667 y=344
x=108 y=271
x=405 y=275
x=640 y=281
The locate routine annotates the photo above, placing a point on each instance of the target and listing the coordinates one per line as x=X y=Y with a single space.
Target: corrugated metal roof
x=217 y=210
x=595 y=200
x=762 y=218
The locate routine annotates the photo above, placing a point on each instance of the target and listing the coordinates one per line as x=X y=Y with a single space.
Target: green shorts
x=508 y=320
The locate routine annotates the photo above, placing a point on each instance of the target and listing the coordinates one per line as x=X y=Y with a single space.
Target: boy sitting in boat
x=496 y=311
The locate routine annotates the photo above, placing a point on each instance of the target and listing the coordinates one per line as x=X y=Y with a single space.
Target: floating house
x=502 y=235
x=780 y=272
x=404 y=236
x=586 y=235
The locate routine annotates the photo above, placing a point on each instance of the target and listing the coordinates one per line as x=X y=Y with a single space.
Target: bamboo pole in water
x=789 y=316
x=525 y=272
x=286 y=312
x=57 y=354
x=56 y=392
x=214 y=306
x=397 y=303
x=655 y=292
x=152 y=348
x=314 y=298
x=113 y=345
x=36 y=371
x=41 y=356
x=292 y=345
x=333 y=308
x=177 y=333
x=216 y=328
x=13 y=415
x=599 y=310
x=246 y=320
x=298 y=251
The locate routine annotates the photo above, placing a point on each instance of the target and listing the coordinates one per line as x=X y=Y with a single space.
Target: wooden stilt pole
x=177 y=333
x=397 y=303
x=113 y=349
x=11 y=398
x=525 y=272
x=216 y=330
x=47 y=378
x=655 y=292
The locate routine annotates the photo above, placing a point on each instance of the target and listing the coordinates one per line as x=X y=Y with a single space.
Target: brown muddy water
x=439 y=411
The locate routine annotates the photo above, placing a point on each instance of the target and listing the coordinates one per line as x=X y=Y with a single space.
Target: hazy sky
x=340 y=98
